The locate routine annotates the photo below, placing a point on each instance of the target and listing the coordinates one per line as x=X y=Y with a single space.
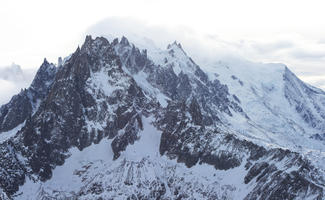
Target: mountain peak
x=115 y=41
x=45 y=62
x=88 y=38
x=124 y=41
x=176 y=48
x=175 y=44
x=95 y=46
x=45 y=73
x=46 y=66
x=60 y=61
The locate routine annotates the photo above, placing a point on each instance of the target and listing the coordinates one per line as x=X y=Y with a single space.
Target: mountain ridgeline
x=159 y=121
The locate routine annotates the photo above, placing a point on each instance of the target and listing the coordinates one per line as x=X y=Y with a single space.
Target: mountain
x=113 y=121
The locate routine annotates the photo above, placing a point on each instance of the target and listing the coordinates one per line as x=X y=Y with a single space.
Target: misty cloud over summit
x=12 y=79
x=302 y=54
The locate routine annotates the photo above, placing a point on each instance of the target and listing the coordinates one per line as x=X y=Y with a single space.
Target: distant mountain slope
x=283 y=111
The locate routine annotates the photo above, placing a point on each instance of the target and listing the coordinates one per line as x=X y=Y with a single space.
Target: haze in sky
x=290 y=32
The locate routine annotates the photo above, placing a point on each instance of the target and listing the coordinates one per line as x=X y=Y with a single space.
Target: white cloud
x=304 y=54
x=12 y=80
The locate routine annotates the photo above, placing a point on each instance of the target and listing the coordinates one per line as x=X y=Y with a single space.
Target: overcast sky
x=290 y=32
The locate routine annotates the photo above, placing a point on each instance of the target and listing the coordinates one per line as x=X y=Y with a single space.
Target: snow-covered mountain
x=113 y=121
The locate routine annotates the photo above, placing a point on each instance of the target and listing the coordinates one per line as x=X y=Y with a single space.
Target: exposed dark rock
x=22 y=105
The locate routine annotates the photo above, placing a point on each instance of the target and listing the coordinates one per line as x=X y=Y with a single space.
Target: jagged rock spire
x=60 y=61
x=45 y=62
x=124 y=41
x=175 y=43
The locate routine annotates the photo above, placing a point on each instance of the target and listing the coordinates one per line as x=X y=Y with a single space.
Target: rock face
x=23 y=105
x=123 y=125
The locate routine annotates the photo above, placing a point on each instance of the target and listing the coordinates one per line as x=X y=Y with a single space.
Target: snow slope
x=140 y=163
x=273 y=121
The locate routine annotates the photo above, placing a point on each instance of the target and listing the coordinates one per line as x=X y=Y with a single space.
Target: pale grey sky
x=291 y=32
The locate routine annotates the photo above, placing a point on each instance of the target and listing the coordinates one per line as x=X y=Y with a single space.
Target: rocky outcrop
x=23 y=105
